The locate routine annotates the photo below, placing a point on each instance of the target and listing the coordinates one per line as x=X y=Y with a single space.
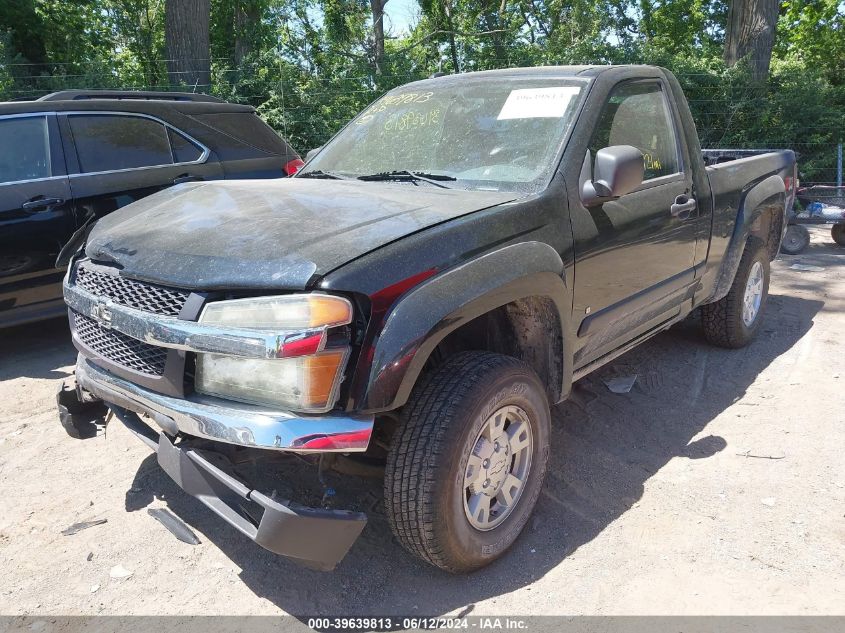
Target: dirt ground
x=716 y=486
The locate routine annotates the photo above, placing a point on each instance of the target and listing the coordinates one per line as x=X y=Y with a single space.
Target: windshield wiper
x=404 y=174
x=319 y=173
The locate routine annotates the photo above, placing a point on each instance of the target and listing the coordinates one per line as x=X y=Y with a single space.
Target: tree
x=377 y=8
x=27 y=31
x=439 y=17
x=139 y=33
x=812 y=31
x=692 y=27
x=247 y=21
x=750 y=32
x=186 y=36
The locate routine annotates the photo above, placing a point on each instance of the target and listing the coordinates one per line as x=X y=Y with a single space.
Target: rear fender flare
x=442 y=304
x=765 y=194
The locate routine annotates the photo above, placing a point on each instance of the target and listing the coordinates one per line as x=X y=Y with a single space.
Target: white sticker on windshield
x=535 y=103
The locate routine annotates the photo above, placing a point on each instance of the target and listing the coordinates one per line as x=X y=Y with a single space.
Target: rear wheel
x=468 y=461
x=837 y=232
x=796 y=239
x=734 y=320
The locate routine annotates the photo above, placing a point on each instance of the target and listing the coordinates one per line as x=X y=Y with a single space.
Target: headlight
x=288 y=312
x=304 y=383
x=307 y=383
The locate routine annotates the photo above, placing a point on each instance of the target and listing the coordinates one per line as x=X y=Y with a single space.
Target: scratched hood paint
x=269 y=234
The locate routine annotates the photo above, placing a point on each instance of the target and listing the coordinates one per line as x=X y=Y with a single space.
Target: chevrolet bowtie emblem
x=101 y=313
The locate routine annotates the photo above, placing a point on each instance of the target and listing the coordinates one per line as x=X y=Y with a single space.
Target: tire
x=724 y=321
x=797 y=238
x=837 y=232
x=426 y=495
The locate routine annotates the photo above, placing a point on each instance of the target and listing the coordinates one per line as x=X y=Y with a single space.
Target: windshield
x=499 y=134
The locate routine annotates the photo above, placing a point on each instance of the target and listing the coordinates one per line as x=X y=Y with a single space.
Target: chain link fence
x=307 y=107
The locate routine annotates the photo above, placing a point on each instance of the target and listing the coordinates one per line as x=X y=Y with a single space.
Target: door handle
x=37 y=204
x=683 y=207
x=185 y=178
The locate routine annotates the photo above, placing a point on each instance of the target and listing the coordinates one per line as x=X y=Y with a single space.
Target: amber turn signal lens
x=327 y=310
x=322 y=375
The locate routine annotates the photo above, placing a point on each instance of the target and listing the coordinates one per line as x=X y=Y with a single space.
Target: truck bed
x=732 y=173
x=717 y=156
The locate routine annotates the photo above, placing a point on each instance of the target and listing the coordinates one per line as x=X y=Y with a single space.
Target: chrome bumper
x=190 y=336
x=227 y=421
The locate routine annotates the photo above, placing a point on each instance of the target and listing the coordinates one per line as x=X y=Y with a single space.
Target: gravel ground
x=716 y=486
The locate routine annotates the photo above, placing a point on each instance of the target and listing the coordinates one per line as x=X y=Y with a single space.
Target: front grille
x=120 y=348
x=131 y=293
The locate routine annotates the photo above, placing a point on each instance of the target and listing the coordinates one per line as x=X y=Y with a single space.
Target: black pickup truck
x=418 y=296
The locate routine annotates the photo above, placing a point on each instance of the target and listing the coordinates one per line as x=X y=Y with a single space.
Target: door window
x=106 y=142
x=637 y=114
x=24 y=149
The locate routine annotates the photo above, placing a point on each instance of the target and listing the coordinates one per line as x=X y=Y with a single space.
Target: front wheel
x=837 y=232
x=468 y=460
x=733 y=321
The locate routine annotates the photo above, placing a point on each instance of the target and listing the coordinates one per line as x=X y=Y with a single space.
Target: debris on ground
x=621 y=384
x=807 y=268
x=175 y=525
x=94 y=588
x=90 y=556
x=769 y=565
x=84 y=525
x=119 y=572
x=748 y=453
x=768 y=501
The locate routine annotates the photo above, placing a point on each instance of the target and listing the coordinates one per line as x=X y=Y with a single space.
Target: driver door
x=634 y=255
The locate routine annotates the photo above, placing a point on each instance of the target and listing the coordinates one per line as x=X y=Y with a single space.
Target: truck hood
x=269 y=234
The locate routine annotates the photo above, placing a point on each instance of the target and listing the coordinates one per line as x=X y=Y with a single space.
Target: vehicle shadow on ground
x=36 y=350
x=605 y=447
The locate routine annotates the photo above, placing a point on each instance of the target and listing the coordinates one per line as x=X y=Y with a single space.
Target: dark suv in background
x=71 y=157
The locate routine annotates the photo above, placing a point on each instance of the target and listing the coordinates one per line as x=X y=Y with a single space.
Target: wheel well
x=768 y=227
x=528 y=329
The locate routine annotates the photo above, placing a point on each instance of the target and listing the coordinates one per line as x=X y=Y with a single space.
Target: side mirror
x=312 y=153
x=617 y=170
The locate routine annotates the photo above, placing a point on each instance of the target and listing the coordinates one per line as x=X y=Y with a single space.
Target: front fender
x=765 y=194
x=429 y=312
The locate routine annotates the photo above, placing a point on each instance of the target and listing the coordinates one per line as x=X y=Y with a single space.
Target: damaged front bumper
x=227 y=421
x=316 y=537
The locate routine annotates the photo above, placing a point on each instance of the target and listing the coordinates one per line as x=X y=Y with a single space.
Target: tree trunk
x=453 y=47
x=377 y=7
x=751 y=32
x=247 y=17
x=495 y=22
x=186 y=24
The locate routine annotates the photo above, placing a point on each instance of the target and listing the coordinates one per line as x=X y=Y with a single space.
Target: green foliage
x=136 y=29
x=309 y=65
x=813 y=31
x=684 y=27
x=7 y=81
